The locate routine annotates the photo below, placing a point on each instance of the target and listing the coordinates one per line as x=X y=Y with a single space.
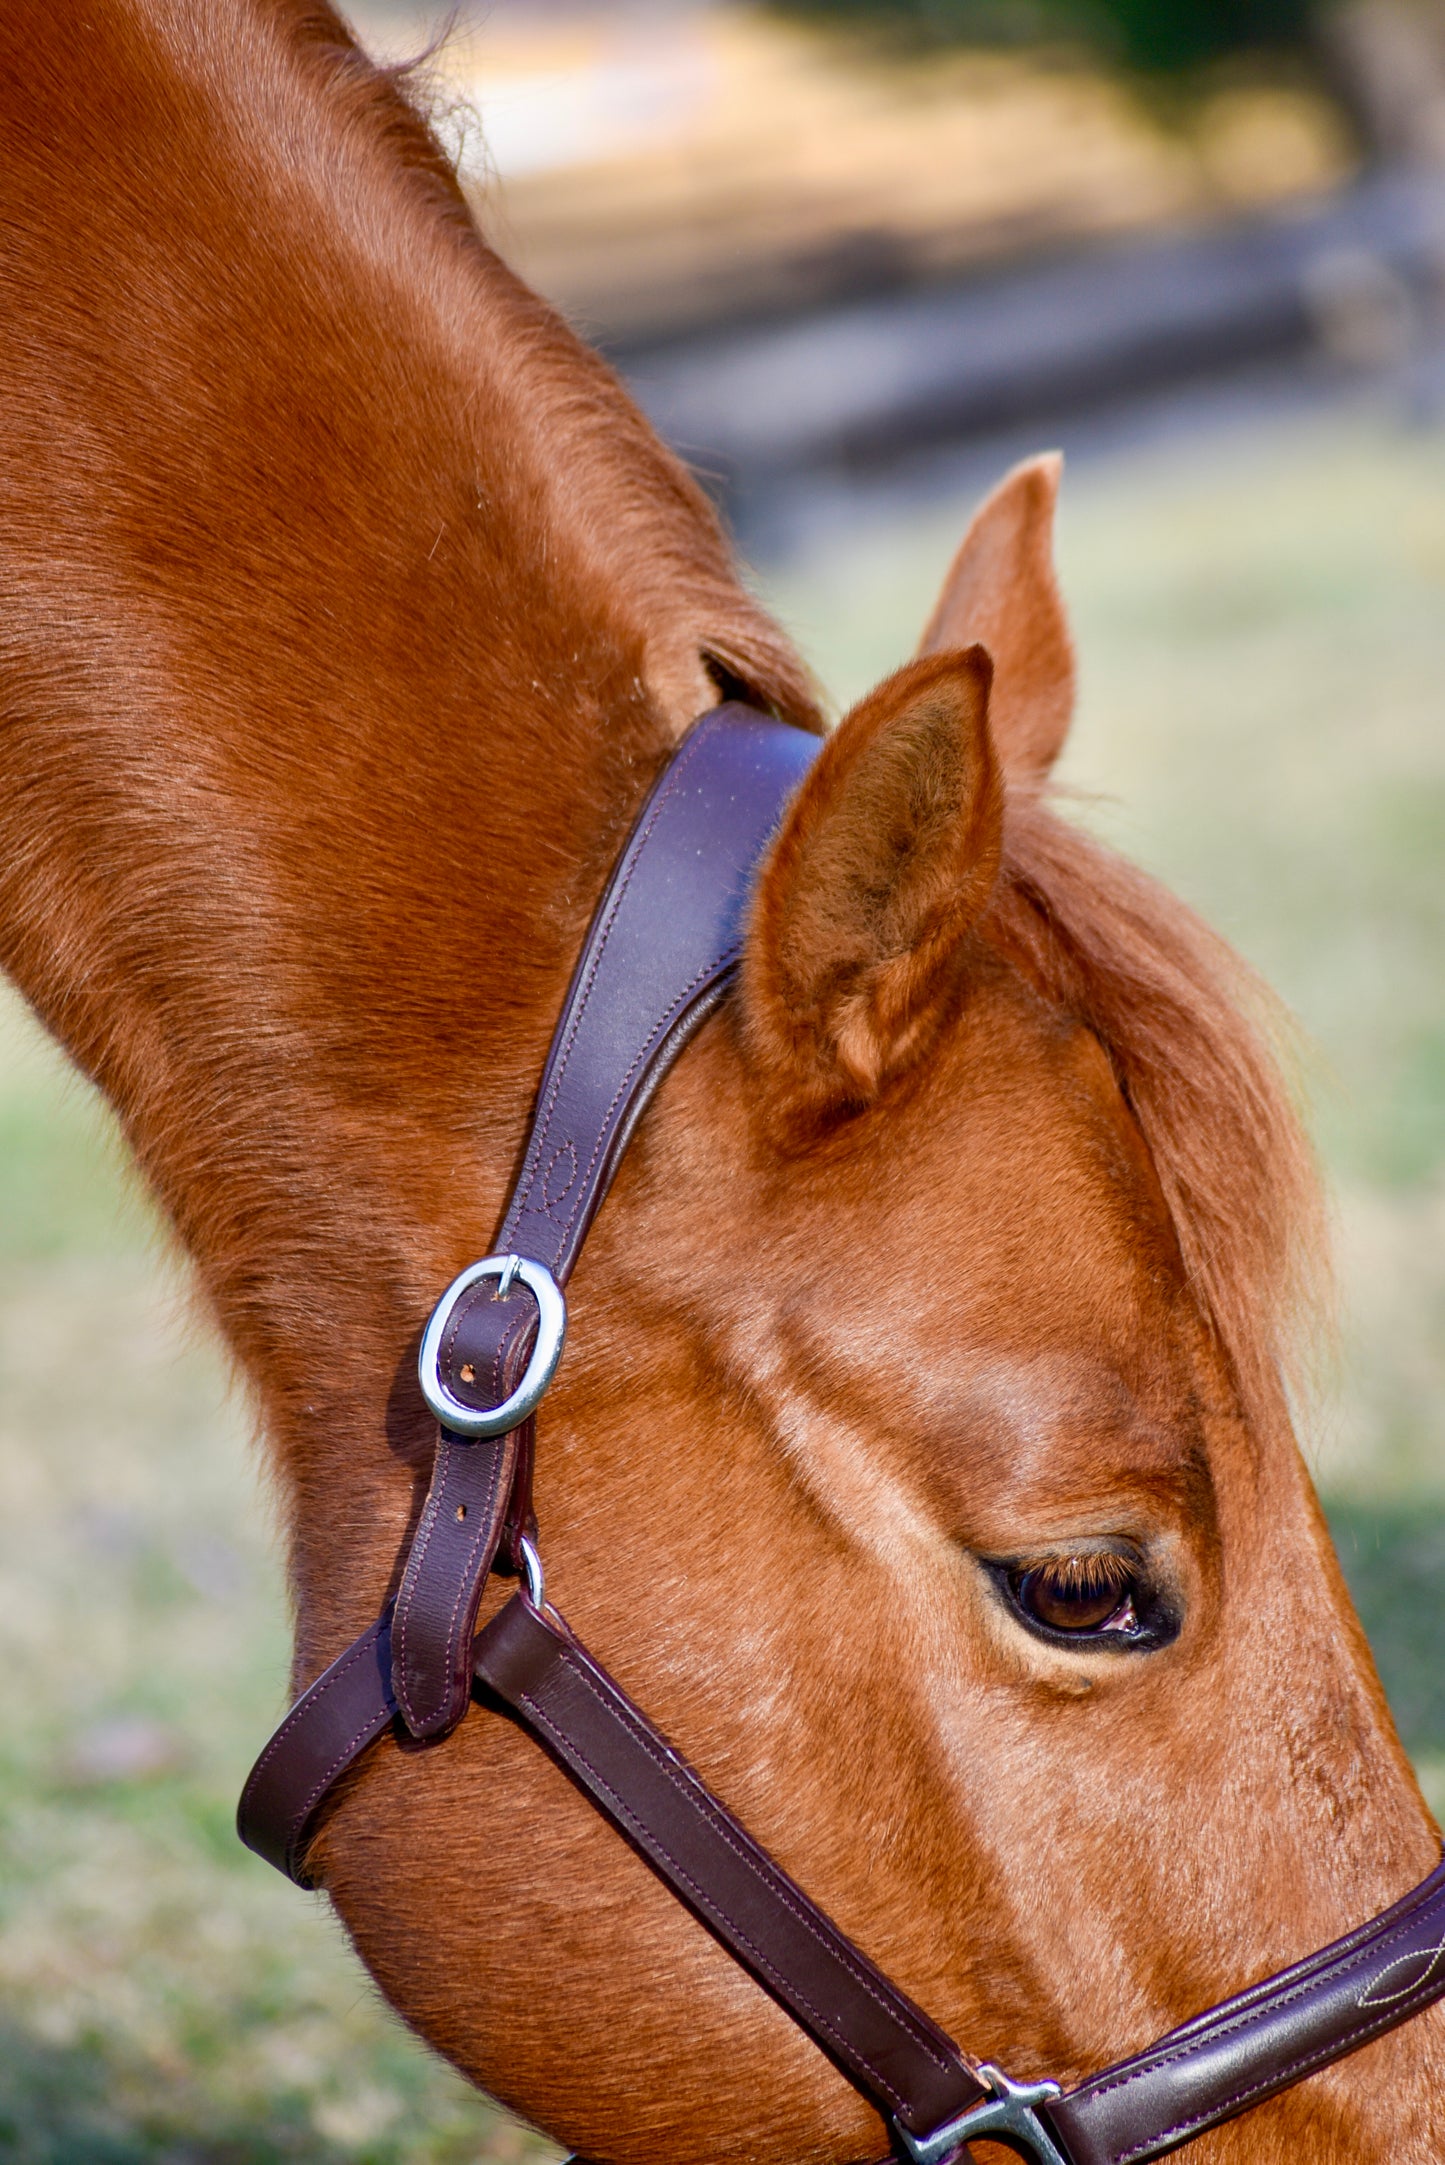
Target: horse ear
x=887 y=856
x=1002 y=591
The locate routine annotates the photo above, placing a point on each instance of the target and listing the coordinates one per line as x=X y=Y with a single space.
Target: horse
x=922 y=1455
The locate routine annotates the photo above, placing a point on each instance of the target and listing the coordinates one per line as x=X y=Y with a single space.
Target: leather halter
x=659 y=956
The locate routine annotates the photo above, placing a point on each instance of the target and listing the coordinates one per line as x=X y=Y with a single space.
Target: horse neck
x=349 y=608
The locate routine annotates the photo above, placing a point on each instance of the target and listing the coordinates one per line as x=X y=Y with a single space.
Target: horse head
x=922 y=1455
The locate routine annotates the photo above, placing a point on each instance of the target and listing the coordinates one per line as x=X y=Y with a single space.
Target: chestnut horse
x=922 y=1460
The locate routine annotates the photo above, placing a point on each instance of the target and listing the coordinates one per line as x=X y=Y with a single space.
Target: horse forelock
x=1203 y=1053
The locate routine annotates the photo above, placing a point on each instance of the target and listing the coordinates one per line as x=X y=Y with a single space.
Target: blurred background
x=854 y=258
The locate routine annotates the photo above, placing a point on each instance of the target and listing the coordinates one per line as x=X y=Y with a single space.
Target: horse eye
x=1078 y=1594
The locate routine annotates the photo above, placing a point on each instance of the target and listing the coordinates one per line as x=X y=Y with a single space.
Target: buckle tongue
x=1008 y=2115
x=464 y=1420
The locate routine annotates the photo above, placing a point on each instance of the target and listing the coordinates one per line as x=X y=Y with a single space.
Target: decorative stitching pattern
x=1253 y=2092
x=1374 y=1997
x=564 y=1157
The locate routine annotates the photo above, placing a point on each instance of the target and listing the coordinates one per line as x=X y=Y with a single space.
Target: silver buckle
x=1007 y=2115
x=551 y=1330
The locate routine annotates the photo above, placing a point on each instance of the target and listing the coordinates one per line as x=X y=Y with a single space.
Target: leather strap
x=1208 y=2071
x=453 y=1550
x=663 y=944
x=659 y=954
x=326 y=1731
x=1198 y=2076
x=900 y=2060
x=1262 y=2041
x=667 y=935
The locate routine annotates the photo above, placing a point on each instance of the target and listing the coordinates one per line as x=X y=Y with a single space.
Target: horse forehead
x=1055 y=1441
x=1011 y=1192
x=990 y=1264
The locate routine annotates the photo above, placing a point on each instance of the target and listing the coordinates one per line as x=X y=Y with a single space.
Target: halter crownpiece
x=659 y=956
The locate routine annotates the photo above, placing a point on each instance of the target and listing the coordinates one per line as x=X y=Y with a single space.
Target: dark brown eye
x=1087 y=1593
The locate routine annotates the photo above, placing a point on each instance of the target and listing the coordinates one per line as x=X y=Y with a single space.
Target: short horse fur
x=349 y=608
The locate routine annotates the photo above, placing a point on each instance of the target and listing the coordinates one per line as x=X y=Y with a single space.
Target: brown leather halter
x=659 y=956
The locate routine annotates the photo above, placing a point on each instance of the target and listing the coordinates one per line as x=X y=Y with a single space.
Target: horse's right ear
x=886 y=858
x=1001 y=590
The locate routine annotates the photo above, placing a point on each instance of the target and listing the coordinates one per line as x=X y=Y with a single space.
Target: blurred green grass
x=1261 y=620
x=164 y=1998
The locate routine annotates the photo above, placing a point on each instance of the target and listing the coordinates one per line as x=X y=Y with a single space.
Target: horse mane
x=1199 y=1046
x=378 y=100
x=644 y=514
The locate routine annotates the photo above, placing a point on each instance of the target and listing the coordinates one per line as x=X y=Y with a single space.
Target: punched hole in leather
x=477 y=1501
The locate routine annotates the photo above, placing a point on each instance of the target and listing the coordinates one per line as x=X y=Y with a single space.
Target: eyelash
x=1111 y=1591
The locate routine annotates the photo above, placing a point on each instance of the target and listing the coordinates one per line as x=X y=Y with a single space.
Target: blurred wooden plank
x=659 y=173
x=862 y=382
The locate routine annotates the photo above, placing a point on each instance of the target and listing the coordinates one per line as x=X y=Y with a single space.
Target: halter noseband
x=660 y=954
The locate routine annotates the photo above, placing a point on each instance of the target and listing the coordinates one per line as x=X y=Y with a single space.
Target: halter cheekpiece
x=659 y=956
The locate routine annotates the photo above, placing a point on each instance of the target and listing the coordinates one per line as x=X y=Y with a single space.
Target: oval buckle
x=547 y=1351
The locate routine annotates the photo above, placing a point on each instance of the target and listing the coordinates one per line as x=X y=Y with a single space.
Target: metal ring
x=551 y=1330
x=532 y=1573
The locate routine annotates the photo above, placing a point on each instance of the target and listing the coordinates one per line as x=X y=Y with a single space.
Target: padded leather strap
x=668 y=929
x=903 y=2062
x=1263 y=2040
x=662 y=946
x=659 y=954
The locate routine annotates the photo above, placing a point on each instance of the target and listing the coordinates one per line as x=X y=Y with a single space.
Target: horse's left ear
x=1002 y=591
x=886 y=858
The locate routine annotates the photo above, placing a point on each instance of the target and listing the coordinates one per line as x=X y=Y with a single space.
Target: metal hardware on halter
x=1007 y=2116
x=465 y=1420
x=534 y=1578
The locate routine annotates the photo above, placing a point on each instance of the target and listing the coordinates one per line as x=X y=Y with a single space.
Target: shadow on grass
x=1393 y=1556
